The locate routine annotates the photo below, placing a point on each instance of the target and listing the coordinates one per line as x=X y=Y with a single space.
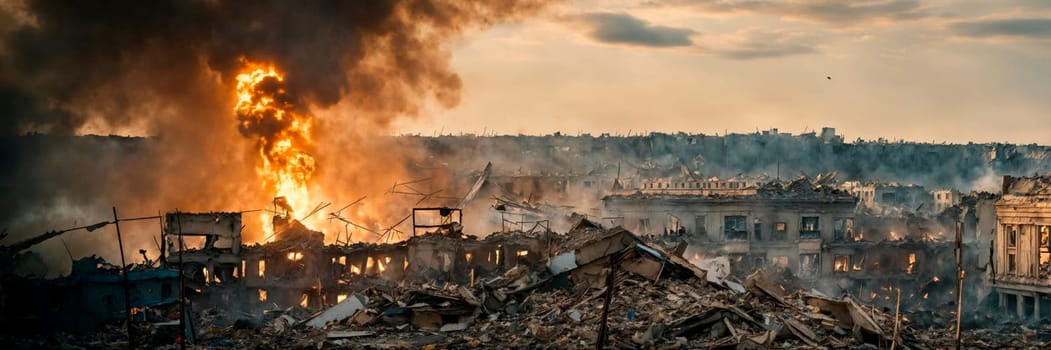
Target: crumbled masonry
x=681 y=261
x=662 y=301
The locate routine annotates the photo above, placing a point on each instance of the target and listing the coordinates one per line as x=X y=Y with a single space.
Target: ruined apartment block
x=1022 y=252
x=297 y=268
x=756 y=226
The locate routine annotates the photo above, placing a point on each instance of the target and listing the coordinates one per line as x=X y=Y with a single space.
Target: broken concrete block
x=453 y=327
x=347 y=334
x=338 y=312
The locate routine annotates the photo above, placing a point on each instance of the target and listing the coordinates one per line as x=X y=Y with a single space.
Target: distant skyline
x=939 y=71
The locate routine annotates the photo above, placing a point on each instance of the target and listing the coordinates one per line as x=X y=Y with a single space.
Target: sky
x=932 y=71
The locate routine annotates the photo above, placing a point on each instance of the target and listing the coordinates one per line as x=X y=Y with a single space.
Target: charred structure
x=693 y=259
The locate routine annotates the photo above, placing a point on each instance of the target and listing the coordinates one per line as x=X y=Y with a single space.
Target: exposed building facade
x=755 y=226
x=944 y=199
x=1022 y=249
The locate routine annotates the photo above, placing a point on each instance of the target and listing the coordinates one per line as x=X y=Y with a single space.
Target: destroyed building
x=1022 y=264
x=298 y=268
x=93 y=294
x=546 y=288
x=812 y=230
x=773 y=224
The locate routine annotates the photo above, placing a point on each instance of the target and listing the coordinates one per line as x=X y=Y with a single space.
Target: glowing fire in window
x=912 y=263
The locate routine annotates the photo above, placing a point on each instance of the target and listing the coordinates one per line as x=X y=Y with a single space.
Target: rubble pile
x=559 y=308
x=658 y=301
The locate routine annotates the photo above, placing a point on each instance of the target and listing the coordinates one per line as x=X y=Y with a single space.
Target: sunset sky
x=954 y=71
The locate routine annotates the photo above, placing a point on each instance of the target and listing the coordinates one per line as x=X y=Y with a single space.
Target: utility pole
x=182 y=286
x=124 y=281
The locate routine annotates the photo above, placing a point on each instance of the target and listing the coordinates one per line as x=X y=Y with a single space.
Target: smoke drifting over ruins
x=227 y=174
x=169 y=69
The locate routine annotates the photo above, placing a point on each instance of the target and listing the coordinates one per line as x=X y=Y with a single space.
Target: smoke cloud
x=168 y=69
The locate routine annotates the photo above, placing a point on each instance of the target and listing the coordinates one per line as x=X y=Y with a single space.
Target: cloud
x=755 y=44
x=825 y=11
x=625 y=29
x=1035 y=28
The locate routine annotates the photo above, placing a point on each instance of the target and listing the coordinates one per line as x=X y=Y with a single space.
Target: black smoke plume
x=167 y=69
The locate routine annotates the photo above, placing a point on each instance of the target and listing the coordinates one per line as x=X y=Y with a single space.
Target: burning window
x=911 y=264
x=262 y=268
x=809 y=265
x=841 y=263
x=780 y=261
x=295 y=256
x=1045 y=251
x=735 y=227
x=844 y=229
x=780 y=229
x=808 y=228
x=381 y=266
x=262 y=295
x=522 y=253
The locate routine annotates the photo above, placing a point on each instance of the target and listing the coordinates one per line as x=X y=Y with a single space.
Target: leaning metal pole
x=182 y=286
x=124 y=281
x=611 y=282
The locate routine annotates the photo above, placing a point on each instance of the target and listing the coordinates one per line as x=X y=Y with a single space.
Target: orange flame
x=283 y=135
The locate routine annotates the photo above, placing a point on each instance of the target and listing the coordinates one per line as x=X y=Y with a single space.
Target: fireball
x=266 y=113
